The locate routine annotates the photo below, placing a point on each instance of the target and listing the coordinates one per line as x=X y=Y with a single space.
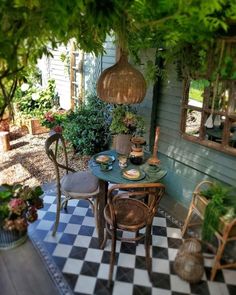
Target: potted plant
x=18 y=208
x=54 y=120
x=218 y=205
x=125 y=124
x=32 y=102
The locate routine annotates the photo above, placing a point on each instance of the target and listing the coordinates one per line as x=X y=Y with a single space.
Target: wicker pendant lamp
x=121 y=83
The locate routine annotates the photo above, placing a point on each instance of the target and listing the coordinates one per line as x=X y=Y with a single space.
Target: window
x=209 y=101
x=209 y=113
x=76 y=76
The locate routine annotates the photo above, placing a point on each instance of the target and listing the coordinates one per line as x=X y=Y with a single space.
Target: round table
x=152 y=174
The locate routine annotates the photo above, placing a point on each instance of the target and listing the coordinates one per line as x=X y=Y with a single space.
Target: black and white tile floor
x=84 y=267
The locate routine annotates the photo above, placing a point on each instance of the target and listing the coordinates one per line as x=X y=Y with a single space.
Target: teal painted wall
x=187 y=163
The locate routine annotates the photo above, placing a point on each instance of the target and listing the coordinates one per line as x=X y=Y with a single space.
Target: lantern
x=121 y=83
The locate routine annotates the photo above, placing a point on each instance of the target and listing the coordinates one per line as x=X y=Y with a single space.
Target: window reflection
x=193 y=122
x=232 y=135
x=214 y=134
x=209 y=114
x=196 y=92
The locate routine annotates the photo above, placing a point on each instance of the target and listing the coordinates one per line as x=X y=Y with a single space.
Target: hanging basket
x=11 y=238
x=121 y=84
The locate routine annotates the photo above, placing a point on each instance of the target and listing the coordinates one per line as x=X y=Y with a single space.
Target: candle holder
x=153 y=160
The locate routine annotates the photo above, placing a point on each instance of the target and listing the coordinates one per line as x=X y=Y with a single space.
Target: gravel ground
x=27 y=162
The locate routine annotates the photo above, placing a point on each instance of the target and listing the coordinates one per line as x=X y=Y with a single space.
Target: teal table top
x=150 y=173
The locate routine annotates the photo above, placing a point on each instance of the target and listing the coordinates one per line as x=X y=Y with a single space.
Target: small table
x=115 y=176
x=216 y=134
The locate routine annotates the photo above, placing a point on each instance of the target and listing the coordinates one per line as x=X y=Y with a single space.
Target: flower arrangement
x=54 y=119
x=125 y=120
x=18 y=206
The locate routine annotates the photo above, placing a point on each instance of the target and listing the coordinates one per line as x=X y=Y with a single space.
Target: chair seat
x=80 y=183
x=130 y=214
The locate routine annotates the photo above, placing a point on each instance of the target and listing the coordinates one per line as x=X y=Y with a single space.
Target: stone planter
x=11 y=238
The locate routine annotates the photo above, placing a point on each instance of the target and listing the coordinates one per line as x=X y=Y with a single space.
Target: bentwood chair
x=131 y=207
x=73 y=185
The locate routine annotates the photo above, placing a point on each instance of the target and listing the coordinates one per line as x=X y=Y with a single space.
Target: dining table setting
x=112 y=168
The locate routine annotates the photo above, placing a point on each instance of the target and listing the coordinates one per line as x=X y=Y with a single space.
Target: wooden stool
x=4 y=141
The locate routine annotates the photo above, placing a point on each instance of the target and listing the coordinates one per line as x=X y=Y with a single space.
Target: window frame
x=205 y=112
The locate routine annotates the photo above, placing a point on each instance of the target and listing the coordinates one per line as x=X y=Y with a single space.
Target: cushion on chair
x=79 y=182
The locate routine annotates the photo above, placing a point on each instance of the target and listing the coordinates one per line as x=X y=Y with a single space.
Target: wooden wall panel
x=187 y=162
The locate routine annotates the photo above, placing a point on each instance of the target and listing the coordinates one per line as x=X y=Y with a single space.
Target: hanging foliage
x=183 y=29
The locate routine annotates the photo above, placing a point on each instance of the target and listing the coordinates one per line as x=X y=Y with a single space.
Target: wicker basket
x=191 y=246
x=189 y=267
x=11 y=238
x=121 y=83
x=189 y=263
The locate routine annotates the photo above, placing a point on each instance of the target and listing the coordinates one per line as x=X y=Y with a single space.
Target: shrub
x=87 y=128
x=35 y=101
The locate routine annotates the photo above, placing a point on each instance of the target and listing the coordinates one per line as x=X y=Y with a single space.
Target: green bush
x=35 y=101
x=87 y=128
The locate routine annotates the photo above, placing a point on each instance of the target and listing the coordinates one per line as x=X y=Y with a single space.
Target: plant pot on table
x=122 y=144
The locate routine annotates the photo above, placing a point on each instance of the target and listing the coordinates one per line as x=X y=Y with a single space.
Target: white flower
x=35 y=96
x=24 y=87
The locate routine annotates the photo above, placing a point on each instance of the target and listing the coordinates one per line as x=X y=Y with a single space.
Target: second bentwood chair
x=131 y=207
x=73 y=185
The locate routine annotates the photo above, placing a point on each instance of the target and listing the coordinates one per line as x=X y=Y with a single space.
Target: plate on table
x=133 y=174
x=103 y=158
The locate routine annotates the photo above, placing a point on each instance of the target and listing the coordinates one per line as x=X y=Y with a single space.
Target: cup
x=106 y=166
x=123 y=161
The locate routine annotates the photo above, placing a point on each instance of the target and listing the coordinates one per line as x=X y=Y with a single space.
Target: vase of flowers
x=18 y=208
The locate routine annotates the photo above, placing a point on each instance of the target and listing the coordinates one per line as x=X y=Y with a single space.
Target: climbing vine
x=182 y=30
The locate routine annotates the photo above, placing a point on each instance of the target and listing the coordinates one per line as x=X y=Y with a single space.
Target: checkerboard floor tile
x=85 y=267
